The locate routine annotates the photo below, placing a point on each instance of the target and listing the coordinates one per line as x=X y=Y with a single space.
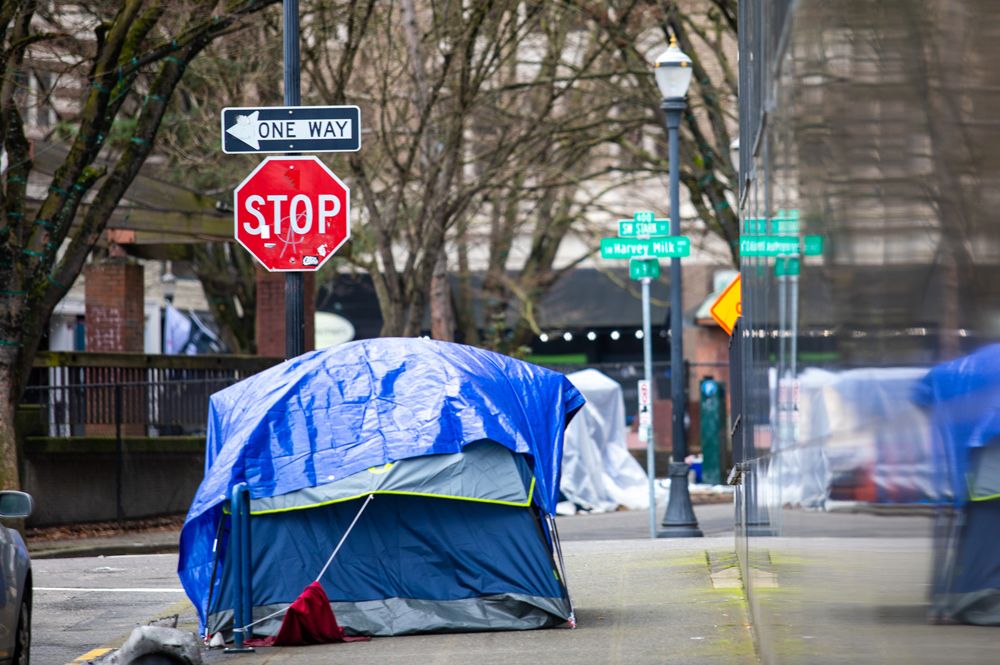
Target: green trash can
x=713 y=435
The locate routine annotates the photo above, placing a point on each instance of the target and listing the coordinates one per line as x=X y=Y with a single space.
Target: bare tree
x=614 y=102
x=706 y=31
x=496 y=125
x=463 y=101
x=239 y=69
x=130 y=56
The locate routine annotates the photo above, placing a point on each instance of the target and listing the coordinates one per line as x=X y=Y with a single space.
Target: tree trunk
x=465 y=313
x=9 y=476
x=442 y=317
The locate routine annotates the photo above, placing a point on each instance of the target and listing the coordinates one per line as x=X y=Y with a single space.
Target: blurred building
x=868 y=127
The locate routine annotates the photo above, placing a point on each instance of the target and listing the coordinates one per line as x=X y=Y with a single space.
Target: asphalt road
x=84 y=603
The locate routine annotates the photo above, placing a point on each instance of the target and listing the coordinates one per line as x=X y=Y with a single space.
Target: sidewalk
x=137 y=542
x=638 y=602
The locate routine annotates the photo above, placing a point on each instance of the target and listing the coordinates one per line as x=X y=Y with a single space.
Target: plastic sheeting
x=329 y=414
x=858 y=428
x=963 y=397
x=912 y=434
x=599 y=473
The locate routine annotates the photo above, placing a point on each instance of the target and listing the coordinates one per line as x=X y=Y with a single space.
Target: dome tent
x=461 y=448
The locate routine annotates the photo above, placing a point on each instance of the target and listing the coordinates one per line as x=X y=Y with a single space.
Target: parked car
x=15 y=582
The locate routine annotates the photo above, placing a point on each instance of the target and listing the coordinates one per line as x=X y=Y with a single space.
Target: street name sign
x=728 y=306
x=643 y=224
x=782 y=224
x=637 y=248
x=629 y=228
x=643 y=268
x=292 y=213
x=291 y=129
x=811 y=245
x=787 y=267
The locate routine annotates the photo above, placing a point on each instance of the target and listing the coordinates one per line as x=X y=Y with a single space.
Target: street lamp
x=673 y=75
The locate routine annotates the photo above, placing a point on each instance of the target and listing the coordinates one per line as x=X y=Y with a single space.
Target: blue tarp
x=329 y=414
x=963 y=396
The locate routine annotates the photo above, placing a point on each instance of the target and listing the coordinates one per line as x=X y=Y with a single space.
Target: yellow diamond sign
x=728 y=306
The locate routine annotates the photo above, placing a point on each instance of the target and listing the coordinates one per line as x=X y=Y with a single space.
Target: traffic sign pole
x=647 y=362
x=295 y=314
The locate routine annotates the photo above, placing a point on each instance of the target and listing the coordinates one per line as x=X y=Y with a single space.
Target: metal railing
x=97 y=394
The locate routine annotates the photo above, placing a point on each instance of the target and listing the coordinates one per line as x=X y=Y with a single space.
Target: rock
x=156 y=645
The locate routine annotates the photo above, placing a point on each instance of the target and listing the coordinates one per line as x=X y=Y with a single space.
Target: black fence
x=97 y=394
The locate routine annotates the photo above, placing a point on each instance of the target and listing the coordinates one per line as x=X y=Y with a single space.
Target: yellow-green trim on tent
x=515 y=504
x=972 y=497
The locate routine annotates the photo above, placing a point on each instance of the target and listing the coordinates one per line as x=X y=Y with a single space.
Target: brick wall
x=271 y=312
x=115 y=319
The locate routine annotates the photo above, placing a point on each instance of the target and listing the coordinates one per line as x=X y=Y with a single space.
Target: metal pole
x=793 y=302
x=239 y=552
x=647 y=361
x=295 y=326
x=246 y=568
x=119 y=456
x=679 y=520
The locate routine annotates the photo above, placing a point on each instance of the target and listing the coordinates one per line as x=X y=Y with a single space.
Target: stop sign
x=292 y=213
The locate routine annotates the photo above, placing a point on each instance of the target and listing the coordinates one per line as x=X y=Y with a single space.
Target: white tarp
x=598 y=472
x=854 y=424
x=186 y=334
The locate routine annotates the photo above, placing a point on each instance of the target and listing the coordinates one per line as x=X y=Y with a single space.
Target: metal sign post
x=295 y=313
x=644 y=240
x=646 y=406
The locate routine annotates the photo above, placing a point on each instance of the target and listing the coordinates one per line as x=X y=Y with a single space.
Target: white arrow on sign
x=251 y=130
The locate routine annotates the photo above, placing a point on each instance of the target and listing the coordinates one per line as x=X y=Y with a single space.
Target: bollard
x=239 y=553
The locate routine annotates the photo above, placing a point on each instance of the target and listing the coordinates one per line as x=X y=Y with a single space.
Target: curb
x=102 y=550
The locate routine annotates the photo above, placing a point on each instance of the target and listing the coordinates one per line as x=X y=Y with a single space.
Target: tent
x=963 y=398
x=599 y=474
x=460 y=448
x=859 y=437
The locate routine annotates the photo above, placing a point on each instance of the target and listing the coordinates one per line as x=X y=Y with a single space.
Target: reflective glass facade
x=866 y=407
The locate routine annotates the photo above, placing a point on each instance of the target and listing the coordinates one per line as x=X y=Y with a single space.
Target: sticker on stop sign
x=292 y=213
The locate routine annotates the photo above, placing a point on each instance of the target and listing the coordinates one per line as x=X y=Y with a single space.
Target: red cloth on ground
x=309 y=620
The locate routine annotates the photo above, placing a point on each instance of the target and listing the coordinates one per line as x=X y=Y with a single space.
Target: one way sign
x=291 y=129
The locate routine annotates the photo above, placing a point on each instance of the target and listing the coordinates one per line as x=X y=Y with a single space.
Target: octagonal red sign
x=292 y=213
